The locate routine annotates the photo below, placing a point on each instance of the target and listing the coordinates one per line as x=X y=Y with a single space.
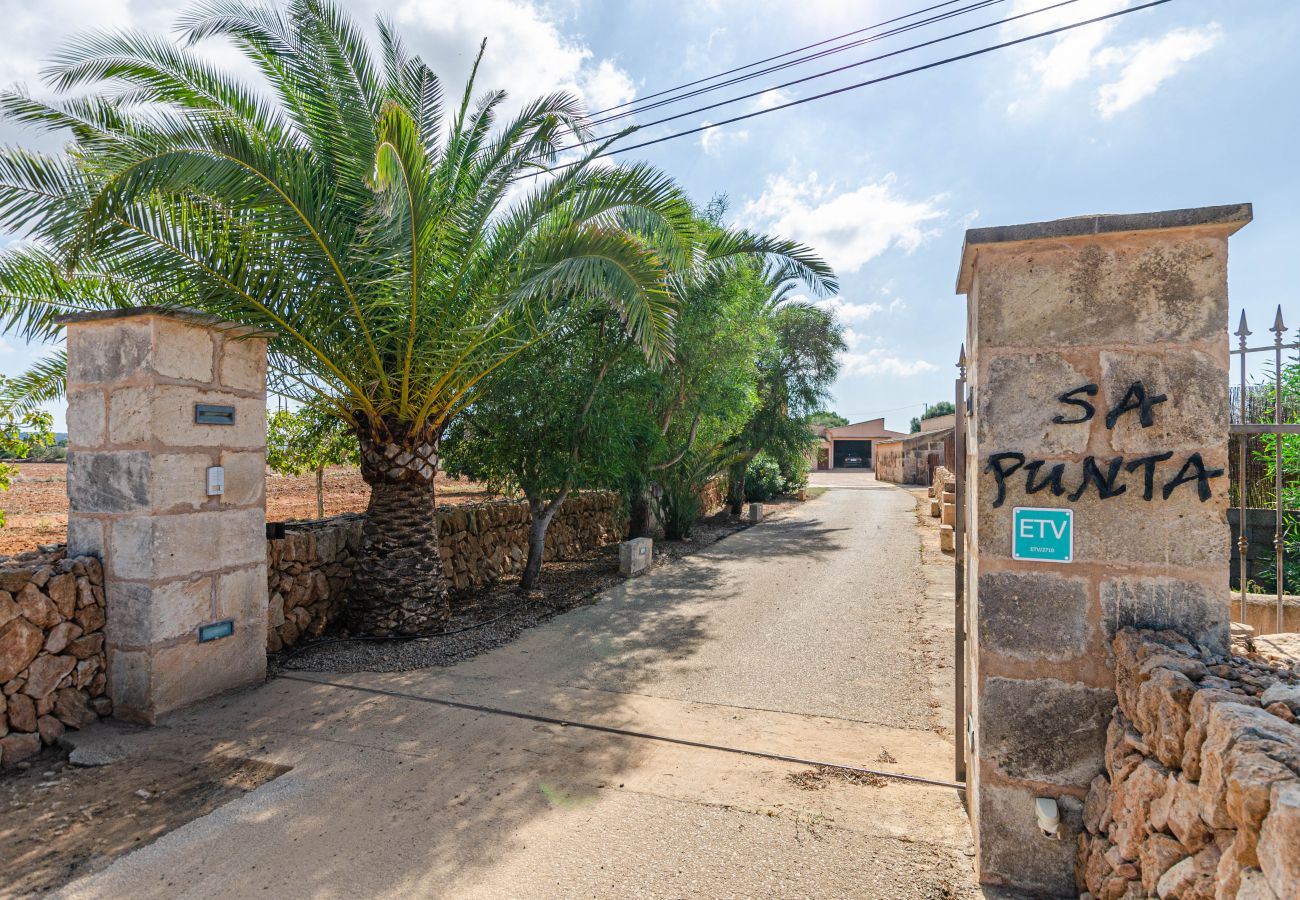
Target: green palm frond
x=45 y=382
x=387 y=239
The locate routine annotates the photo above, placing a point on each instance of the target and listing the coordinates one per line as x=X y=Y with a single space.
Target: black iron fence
x=1263 y=432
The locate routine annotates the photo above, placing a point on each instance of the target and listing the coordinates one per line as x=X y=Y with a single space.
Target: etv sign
x=1043 y=535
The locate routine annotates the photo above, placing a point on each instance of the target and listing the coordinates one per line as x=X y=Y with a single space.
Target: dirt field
x=36 y=507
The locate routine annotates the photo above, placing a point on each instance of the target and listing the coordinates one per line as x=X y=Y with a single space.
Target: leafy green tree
x=942 y=408
x=795 y=371
x=22 y=431
x=396 y=256
x=305 y=440
x=572 y=414
x=551 y=424
x=828 y=418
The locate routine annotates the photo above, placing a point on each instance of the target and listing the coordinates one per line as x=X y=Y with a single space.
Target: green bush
x=763 y=479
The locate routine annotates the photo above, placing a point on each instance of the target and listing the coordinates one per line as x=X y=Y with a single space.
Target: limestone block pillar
x=156 y=399
x=1098 y=384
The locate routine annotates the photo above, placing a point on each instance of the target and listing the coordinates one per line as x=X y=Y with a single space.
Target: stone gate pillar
x=161 y=406
x=1097 y=495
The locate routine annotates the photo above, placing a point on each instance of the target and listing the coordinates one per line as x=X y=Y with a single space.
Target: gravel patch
x=496 y=615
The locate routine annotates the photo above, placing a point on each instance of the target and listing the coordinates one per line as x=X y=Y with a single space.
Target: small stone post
x=182 y=567
x=1099 y=385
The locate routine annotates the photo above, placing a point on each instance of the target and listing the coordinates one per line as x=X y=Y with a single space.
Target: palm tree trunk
x=736 y=488
x=398 y=586
x=320 y=492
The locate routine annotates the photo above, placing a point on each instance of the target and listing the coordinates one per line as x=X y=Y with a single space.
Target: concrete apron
x=391 y=796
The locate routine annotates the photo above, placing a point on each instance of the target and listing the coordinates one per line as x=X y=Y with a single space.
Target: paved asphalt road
x=799 y=637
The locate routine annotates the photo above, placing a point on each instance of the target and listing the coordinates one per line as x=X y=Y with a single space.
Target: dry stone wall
x=52 y=658
x=1200 y=797
x=308 y=570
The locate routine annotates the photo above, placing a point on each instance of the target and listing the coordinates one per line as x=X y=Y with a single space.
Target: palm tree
x=395 y=255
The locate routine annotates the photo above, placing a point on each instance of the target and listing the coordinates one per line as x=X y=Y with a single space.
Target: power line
x=972 y=7
x=829 y=72
x=867 y=83
x=760 y=62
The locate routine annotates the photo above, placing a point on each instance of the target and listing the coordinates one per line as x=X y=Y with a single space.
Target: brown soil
x=60 y=822
x=36 y=507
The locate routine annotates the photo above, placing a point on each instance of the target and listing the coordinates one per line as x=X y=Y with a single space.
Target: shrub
x=763 y=479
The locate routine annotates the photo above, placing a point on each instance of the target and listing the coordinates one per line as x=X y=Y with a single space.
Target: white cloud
x=1084 y=56
x=853 y=339
x=846 y=311
x=849 y=228
x=1151 y=64
x=882 y=362
x=769 y=99
x=528 y=51
x=714 y=140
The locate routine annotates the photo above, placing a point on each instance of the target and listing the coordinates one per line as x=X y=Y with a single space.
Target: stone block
x=15 y=748
x=1043 y=729
x=186 y=672
x=1231 y=724
x=1013 y=849
x=183 y=350
x=243 y=364
x=172 y=412
x=245 y=478
x=108 y=351
x=755 y=513
x=147 y=613
x=50 y=729
x=179 y=481
x=108 y=481
x=1113 y=290
x=936 y=507
x=1254 y=886
x=22 y=713
x=1187 y=607
x=635 y=556
x=45 y=673
x=1196 y=406
x=1019 y=399
x=1180 y=532
x=20 y=641
x=1279 y=840
x=87 y=417
x=948 y=515
x=130 y=684
x=145 y=548
x=85 y=536
x=242 y=595
x=1033 y=616
x=129 y=416
x=947 y=538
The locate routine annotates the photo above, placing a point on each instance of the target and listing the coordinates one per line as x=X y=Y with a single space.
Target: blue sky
x=1185 y=104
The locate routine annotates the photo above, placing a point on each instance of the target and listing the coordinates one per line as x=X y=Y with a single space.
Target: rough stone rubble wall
x=308 y=570
x=906 y=461
x=52 y=663
x=1200 y=797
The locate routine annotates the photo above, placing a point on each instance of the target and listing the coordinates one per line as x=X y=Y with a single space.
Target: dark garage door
x=846 y=449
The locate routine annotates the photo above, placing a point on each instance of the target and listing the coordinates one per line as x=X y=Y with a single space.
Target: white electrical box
x=216 y=481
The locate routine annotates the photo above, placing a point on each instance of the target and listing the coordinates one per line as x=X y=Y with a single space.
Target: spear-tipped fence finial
x=1279 y=327
x=1242 y=331
x=961 y=358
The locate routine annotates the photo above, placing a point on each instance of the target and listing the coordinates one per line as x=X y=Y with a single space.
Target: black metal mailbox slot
x=210 y=414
